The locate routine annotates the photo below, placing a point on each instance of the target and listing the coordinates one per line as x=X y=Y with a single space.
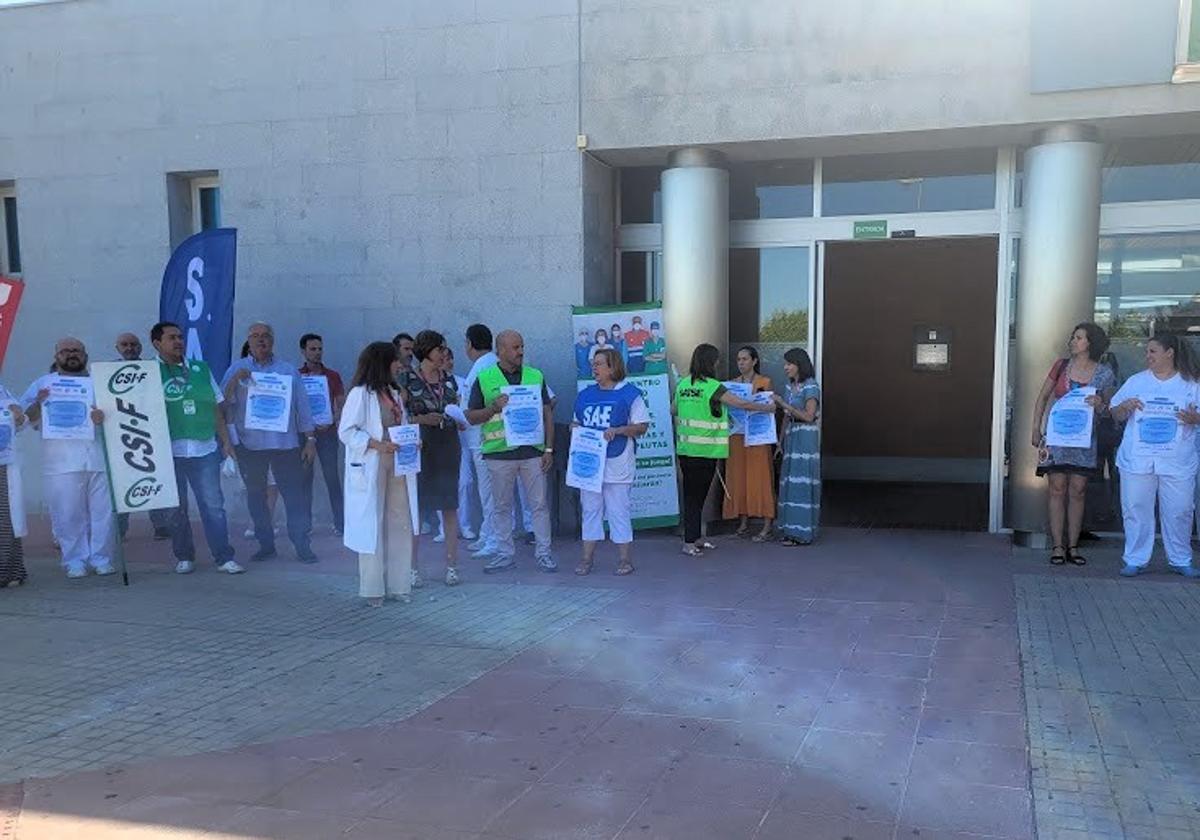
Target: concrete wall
x=389 y=165
x=677 y=72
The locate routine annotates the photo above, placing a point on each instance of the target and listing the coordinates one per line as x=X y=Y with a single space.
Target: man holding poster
x=326 y=394
x=81 y=514
x=510 y=401
x=268 y=406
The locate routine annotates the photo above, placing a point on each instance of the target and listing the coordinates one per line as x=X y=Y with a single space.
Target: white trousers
x=1176 y=502
x=81 y=518
x=487 y=503
x=611 y=503
x=505 y=475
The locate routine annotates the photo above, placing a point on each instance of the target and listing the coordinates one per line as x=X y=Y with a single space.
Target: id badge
x=189 y=407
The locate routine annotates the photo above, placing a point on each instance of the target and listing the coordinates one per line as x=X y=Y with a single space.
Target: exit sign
x=871 y=229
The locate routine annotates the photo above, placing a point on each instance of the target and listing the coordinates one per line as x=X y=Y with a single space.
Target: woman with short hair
x=702 y=437
x=429 y=392
x=1068 y=468
x=1158 y=458
x=616 y=407
x=379 y=522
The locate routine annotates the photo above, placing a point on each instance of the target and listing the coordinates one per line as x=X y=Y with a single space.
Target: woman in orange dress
x=748 y=474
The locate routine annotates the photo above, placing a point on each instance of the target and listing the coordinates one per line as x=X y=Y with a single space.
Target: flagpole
x=118 y=543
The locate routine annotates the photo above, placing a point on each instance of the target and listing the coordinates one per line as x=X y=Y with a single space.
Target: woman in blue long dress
x=800 y=479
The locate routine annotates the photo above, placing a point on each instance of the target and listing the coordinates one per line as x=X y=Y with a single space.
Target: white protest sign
x=585 y=463
x=269 y=402
x=137 y=440
x=319 y=401
x=66 y=412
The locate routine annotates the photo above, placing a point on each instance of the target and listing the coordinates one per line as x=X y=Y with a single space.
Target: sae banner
x=137 y=442
x=197 y=294
x=636 y=332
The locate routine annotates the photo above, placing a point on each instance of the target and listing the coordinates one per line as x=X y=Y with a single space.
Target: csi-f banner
x=137 y=441
x=197 y=294
x=636 y=332
x=10 y=298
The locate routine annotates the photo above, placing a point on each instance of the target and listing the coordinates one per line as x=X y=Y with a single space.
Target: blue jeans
x=204 y=475
x=288 y=470
x=327 y=454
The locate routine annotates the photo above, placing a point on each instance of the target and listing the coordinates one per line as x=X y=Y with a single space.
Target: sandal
x=1058 y=557
x=789 y=542
x=584 y=568
x=761 y=537
x=623 y=568
x=742 y=531
x=692 y=551
x=375 y=603
x=1075 y=557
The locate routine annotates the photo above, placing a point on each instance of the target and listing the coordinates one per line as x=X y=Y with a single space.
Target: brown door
x=906 y=439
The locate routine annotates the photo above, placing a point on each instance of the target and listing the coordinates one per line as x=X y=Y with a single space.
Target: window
x=10 y=243
x=641 y=195
x=1158 y=169
x=641 y=276
x=768 y=304
x=911 y=182
x=771 y=190
x=206 y=204
x=1187 y=48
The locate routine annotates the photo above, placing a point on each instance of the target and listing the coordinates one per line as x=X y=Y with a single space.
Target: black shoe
x=162 y=534
x=530 y=539
x=1088 y=536
x=306 y=556
x=264 y=554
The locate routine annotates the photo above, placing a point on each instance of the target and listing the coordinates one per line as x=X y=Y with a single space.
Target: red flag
x=10 y=298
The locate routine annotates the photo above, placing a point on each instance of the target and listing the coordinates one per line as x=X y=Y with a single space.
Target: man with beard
x=75 y=477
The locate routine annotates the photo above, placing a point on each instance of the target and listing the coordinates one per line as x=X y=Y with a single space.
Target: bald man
x=129 y=349
x=279 y=452
x=508 y=463
x=74 y=476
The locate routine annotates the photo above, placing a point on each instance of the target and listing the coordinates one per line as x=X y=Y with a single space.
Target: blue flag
x=197 y=294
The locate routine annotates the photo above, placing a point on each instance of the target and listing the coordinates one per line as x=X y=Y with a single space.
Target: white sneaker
x=104 y=569
x=249 y=534
x=185 y=567
x=414 y=579
x=440 y=538
x=452 y=576
x=77 y=572
x=467 y=535
x=483 y=551
x=231 y=567
x=478 y=545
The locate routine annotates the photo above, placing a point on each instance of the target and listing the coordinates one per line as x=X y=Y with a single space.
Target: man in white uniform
x=479 y=351
x=74 y=475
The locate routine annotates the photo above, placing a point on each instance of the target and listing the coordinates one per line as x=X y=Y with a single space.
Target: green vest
x=698 y=433
x=491 y=380
x=191 y=402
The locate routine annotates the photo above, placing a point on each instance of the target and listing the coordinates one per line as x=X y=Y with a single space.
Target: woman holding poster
x=1158 y=458
x=617 y=408
x=1064 y=433
x=702 y=437
x=748 y=472
x=12 y=509
x=379 y=521
x=800 y=477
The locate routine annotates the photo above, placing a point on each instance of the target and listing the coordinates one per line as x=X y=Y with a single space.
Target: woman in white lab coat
x=1158 y=458
x=379 y=518
x=12 y=506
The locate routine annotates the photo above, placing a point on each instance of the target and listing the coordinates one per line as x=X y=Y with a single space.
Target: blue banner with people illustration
x=636 y=332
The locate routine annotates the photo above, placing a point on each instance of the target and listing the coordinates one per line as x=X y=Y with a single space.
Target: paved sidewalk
x=867 y=687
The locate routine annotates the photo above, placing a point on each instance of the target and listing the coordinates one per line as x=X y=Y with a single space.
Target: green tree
x=784 y=326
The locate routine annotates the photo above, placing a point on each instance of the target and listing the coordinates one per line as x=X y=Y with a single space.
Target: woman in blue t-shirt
x=616 y=407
